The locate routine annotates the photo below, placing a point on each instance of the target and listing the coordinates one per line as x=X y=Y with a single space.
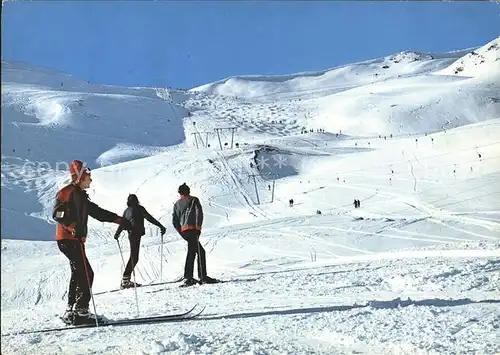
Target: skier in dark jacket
x=71 y=210
x=187 y=218
x=135 y=214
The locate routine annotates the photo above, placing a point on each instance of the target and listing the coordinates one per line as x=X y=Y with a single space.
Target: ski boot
x=209 y=280
x=69 y=316
x=83 y=316
x=127 y=283
x=190 y=282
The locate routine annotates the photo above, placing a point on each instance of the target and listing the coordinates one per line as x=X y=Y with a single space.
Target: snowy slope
x=415 y=270
x=48 y=118
x=405 y=93
x=327 y=81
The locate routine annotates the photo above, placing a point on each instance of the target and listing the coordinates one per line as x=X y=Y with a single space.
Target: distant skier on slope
x=135 y=213
x=71 y=210
x=187 y=219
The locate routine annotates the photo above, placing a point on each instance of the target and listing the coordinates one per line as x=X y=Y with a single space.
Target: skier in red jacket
x=71 y=210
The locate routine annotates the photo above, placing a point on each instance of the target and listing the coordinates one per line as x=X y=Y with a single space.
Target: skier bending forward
x=135 y=214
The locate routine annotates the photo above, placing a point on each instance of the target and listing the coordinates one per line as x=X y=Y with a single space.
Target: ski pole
x=88 y=282
x=135 y=283
x=121 y=254
x=199 y=259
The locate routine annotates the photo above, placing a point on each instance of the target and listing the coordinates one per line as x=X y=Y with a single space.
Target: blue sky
x=184 y=44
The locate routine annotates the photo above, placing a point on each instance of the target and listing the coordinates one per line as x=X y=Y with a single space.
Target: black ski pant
x=82 y=275
x=194 y=247
x=135 y=243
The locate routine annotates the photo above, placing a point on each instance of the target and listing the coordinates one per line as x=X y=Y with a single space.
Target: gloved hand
x=76 y=231
x=163 y=230
x=71 y=230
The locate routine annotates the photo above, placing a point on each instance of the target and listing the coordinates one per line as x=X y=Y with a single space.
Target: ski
x=198 y=282
x=207 y=284
x=145 y=285
x=188 y=315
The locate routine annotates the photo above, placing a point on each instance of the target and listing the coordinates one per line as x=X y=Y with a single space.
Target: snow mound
x=413 y=105
x=483 y=61
x=125 y=151
x=409 y=56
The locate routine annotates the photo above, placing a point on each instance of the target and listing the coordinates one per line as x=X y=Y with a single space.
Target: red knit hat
x=78 y=171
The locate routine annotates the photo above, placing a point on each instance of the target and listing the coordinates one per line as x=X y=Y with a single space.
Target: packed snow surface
x=415 y=137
